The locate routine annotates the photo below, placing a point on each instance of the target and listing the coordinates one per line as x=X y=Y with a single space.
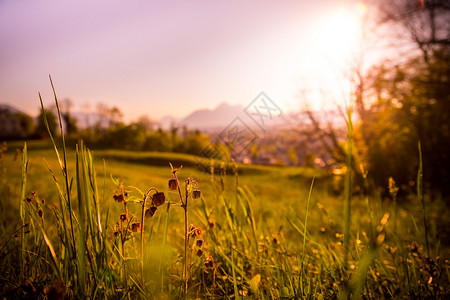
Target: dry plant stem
x=123 y=238
x=186 y=183
x=184 y=205
x=142 y=230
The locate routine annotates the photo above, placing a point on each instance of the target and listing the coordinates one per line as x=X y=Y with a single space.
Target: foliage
x=41 y=128
x=413 y=104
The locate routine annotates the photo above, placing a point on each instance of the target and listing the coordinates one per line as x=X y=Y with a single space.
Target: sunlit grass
x=70 y=228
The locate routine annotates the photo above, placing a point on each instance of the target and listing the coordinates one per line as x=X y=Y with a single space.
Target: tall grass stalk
x=302 y=271
x=347 y=184
x=25 y=162
x=421 y=197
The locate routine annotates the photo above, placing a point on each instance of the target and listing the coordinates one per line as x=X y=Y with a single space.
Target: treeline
x=108 y=130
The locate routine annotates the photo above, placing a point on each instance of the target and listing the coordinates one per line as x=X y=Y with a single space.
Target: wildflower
x=199 y=252
x=119 y=198
x=41 y=213
x=150 y=212
x=414 y=247
x=158 y=198
x=196 y=193
x=123 y=217
x=393 y=189
x=173 y=184
x=136 y=226
x=199 y=243
x=196 y=231
x=275 y=240
x=209 y=262
x=211 y=224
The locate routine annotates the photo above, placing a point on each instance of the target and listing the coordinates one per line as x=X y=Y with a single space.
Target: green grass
x=273 y=236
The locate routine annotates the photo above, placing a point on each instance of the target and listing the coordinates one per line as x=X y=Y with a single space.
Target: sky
x=160 y=58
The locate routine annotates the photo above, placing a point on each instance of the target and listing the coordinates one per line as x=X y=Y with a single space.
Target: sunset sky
x=173 y=57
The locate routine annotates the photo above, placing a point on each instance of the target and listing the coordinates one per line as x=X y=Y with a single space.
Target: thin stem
x=142 y=230
x=186 y=183
x=142 y=238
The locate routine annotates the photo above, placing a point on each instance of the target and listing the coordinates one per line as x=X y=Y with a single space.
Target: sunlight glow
x=337 y=33
x=334 y=45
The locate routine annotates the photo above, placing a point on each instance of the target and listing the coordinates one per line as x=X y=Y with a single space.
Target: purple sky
x=165 y=57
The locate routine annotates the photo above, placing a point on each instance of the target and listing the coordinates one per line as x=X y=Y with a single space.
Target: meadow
x=90 y=224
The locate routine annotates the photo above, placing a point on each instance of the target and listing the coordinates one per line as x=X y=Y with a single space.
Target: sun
x=338 y=32
x=333 y=45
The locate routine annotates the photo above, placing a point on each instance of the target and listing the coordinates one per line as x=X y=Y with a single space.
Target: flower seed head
x=196 y=193
x=150 y=212
x=136 y=226
x=158 y=198
x=173 y=184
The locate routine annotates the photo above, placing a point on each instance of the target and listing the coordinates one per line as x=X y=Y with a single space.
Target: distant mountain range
x=213 y=120
x=10 y=108
x=220 y=117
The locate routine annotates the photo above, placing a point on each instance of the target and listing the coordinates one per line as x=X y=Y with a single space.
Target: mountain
x=167 y=121
x=11 y=109
x=207 y=119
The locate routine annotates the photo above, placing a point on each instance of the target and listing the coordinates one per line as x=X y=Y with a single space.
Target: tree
x=26 y=124
x=70 y=122
x=403 y=100
x=41 y=129
x=412 y=97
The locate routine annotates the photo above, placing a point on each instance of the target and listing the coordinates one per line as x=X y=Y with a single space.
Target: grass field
x=266 y=232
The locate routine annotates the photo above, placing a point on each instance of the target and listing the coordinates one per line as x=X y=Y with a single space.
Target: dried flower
x=196 y=193
x=414 y=247
x=40 y=213
x=158 y=198
x=173 y=184
x=123 y=217
x=393 y=189
x=150 y=212
x=136 y=226
x=119 y=198
x=211 y=224
x=199 y=243
x=199 y=252
x=275 y=240
x=196 y=231
x=209 y=262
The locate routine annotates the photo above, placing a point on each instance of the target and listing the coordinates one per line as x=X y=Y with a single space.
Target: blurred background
x=172 y=76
